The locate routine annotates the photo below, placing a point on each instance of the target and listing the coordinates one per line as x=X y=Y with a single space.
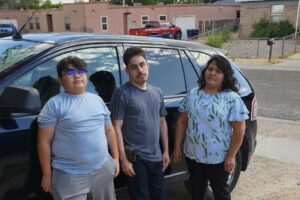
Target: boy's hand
x=166 y=160
x=46 y=183
x=117 y=167
x=127 y=168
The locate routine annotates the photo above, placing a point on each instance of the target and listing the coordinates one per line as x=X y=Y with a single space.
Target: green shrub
x=226 y=34
x=265 y=29
x=215 y=40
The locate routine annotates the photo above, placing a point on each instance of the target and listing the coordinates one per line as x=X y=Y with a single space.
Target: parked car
x=158 y=29
x=28 y=80
x=7 y=29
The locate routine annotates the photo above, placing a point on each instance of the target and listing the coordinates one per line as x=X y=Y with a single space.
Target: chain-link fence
x=258 y=48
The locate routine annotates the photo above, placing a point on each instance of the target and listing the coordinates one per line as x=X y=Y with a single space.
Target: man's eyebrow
x=133 y=65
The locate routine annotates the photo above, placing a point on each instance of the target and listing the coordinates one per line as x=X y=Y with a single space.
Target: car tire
x=232 y=180
x=177 y=36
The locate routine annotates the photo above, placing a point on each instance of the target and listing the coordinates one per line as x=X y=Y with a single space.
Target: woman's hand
x=229 y=164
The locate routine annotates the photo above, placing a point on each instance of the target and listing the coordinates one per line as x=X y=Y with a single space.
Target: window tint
x=103 y=72
x=165 y=70
x=190 y=72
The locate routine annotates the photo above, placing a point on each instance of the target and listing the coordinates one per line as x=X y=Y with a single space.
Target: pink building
x=103 y=18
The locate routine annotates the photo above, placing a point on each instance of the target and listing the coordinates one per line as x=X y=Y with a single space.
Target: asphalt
x=291 y=63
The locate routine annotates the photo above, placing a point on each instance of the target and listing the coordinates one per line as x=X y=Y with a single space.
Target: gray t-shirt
x=140 y=111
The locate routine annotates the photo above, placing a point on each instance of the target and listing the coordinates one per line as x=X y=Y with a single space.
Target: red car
x=158 y=29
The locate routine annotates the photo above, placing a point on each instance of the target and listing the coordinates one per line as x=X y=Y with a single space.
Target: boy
x=74 y=130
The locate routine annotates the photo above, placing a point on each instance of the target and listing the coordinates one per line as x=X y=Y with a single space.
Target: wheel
x=177 y=36
x=232 y=179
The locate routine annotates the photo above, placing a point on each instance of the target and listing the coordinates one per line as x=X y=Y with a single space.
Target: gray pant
x=97 y=185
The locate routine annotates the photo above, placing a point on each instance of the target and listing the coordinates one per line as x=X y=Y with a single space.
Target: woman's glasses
x=72 y=72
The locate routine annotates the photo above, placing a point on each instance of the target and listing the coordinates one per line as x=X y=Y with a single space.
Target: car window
x=102 y=66
x=201 y=58
x=14 y=51
x=242 y=83
x=166 y=70
x=191 y=74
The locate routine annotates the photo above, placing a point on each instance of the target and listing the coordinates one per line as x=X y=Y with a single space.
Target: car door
x=20 y=173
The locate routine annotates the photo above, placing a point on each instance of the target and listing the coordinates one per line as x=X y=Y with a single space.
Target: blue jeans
x=148 y=182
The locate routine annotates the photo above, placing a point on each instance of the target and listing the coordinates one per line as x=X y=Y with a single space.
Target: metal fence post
x=282 y=47
x=257 y=53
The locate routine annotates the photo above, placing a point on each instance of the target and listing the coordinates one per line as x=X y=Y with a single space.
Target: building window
x=238 y=14
x=163 y=18
x=67 y=23
x=37 y=23
x=103 y=23
x=277 y=13
x=145 y=19
x=31 y=27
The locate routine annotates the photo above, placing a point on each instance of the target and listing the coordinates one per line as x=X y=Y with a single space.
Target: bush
x=215 y=40
x=226 y=34
x=265 y=29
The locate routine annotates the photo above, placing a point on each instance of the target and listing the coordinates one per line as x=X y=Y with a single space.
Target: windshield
x=12 y=52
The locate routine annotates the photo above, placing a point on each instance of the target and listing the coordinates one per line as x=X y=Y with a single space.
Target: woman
x=213 y=119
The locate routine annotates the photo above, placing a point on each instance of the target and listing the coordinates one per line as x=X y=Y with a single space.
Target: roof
x=59 y=38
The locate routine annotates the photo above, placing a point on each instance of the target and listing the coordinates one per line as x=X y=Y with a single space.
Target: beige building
x=103 y=18
x=273 y=10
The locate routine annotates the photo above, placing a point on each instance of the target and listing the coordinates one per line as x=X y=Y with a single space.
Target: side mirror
x=15 y=99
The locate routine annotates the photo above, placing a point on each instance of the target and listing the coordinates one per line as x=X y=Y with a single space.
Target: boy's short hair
x=131 y=52
x=63 y=64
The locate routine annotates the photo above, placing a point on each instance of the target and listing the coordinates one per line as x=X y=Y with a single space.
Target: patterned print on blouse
x=209 y=133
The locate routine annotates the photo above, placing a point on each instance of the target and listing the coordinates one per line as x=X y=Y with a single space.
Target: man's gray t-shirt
x=140 y=111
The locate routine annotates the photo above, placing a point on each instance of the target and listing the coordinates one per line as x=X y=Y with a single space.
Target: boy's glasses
x=72 y=72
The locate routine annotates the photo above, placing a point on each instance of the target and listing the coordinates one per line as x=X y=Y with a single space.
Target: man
x=138 y=114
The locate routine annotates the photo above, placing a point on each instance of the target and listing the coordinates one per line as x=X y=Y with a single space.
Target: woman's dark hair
x=224 y=65
x=63 y=64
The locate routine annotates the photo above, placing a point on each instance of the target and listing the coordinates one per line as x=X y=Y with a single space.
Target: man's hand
x=127 y=168
x=166 y=160
x=46 y=183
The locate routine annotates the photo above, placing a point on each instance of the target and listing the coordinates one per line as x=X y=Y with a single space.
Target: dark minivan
x=28 y=80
